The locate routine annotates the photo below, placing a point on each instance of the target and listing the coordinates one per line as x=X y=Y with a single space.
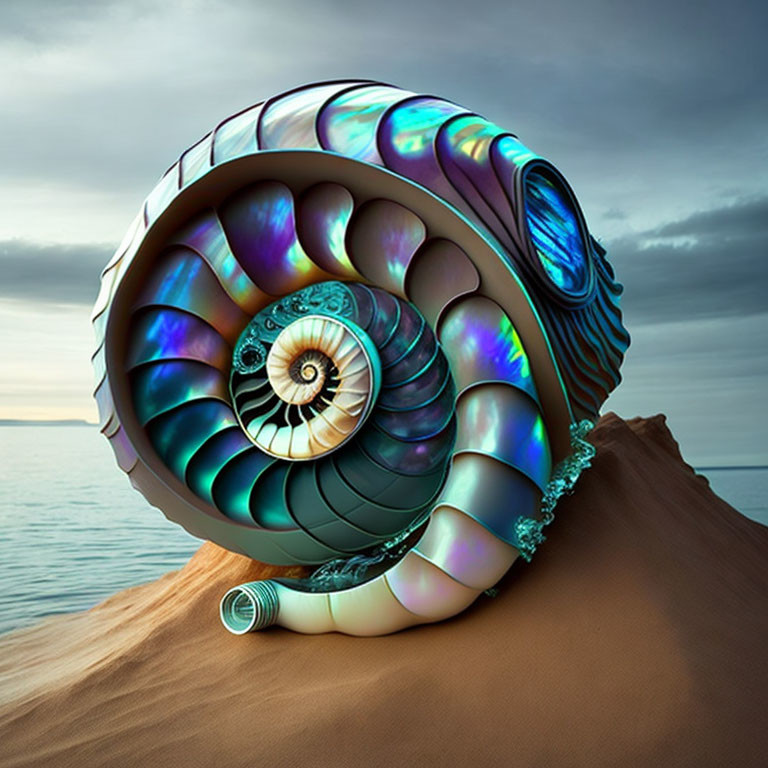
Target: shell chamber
x=344 y=309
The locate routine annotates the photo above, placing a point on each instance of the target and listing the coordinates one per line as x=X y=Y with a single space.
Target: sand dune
x=637 y=637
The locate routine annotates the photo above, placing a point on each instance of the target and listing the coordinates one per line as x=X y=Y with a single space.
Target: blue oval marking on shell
x=556 y=233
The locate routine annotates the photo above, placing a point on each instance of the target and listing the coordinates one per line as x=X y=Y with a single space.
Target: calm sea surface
x=73 y=531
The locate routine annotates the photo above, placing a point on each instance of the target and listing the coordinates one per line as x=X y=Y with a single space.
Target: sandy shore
x=637 y=637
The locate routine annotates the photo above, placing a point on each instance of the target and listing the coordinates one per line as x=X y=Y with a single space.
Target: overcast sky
x=655 y=111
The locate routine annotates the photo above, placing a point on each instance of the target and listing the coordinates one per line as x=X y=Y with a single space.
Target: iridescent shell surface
x=346 y=310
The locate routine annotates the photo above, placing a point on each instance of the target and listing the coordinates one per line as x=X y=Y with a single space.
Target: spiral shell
x=346 y=312
x=320 y=366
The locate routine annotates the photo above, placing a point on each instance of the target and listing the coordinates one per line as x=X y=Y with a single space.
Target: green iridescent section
x=564 y=476
x=471 y=135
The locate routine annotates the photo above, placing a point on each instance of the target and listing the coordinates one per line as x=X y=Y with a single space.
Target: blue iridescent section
x=499 y=421
x=483 y=346
x=555 y=232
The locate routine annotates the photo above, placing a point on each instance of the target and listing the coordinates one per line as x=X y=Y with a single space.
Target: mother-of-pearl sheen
x=456 y=559
x=500 y=467
x=415 y=591
x=321 y=338
x=461 y=553
x=256 y=235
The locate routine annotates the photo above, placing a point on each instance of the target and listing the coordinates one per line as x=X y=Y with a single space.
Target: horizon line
x=47 y=422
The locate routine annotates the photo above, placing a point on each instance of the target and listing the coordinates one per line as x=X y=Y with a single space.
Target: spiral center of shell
x=309 y=372
x=302 y=390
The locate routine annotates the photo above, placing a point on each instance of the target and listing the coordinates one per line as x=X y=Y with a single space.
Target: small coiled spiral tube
x=354 y=325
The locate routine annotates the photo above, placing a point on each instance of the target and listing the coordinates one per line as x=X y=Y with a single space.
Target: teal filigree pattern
x=331 y=299
x=562 y=483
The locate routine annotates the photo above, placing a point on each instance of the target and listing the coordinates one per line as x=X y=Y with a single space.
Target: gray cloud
x=719 y=270
x=44 y=21
x=595 y=85
x=57 y=274
x=710 y=264
x=733 y=222
x=709 y=377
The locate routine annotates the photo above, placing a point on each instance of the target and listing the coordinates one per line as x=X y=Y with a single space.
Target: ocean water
x=73 y=531
x=72 y=528
x=745 y=488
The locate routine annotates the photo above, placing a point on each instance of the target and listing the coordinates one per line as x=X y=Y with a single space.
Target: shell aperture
x=355 y=327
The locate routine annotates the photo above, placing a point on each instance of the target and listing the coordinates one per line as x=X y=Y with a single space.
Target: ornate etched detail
x=329 y=298
x=249 y=356
x=567 y=472
x=529 y=535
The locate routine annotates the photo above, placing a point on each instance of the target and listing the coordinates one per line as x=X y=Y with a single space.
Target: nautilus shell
x=358 y=329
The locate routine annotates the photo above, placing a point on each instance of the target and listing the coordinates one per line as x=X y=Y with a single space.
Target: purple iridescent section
x=517 y=199
x=483 y=346
x=261 y=226
x=348 y=123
